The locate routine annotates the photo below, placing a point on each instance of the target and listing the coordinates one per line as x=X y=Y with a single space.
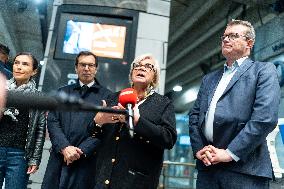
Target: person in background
x=22 y=131
x=72 y=156
x=125 y=162
x=236 y=108
x=4 y=57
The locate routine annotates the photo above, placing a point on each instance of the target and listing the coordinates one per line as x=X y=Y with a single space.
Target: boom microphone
x=128 y=98
x=57 y=101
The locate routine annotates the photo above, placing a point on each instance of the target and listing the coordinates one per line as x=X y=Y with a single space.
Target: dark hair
x=4 y=49
x=35 y=62
x=86 y=53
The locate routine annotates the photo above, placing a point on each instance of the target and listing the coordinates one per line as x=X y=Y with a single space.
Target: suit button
x=113 y=160
x=141 y=138
x=116 y=138
x=106 y=181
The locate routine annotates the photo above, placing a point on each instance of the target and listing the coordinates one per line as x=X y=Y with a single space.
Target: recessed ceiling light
x=177 y=88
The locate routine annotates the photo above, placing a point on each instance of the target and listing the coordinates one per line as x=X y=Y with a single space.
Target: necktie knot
x=84 y=90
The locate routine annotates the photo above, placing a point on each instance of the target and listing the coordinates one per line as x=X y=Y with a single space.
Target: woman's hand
x=102 y=118
x=32 y=169
x=120 y=117
x=136 y=114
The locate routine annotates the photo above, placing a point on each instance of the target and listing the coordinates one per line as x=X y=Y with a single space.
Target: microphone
x=128 y=98
x=56 y=101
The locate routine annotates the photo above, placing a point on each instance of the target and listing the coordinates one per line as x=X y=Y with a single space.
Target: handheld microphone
x=128 y=98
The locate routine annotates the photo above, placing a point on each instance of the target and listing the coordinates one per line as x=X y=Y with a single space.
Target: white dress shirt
x=89 y=84
x=223 y=83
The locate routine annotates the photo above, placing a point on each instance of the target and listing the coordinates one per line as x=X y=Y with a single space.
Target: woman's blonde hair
x=140 y=58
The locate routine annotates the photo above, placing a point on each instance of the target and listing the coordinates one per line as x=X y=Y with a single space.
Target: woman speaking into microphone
x=131 y=154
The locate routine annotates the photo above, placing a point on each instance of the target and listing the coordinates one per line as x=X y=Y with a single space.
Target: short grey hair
x=250 y=33
x=142 y=57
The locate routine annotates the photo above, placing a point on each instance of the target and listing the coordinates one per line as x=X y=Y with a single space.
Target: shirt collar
x=241 y=60
x=235 y=65
x=89 y=84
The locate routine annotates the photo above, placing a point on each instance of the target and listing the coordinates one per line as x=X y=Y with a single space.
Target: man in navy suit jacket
x=72 y=157
x=235 y=110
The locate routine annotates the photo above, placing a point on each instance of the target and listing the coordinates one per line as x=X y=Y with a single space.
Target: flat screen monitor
x=104 y=40
x=107 y=37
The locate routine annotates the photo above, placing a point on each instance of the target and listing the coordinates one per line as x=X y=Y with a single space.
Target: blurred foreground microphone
x=56 y=101
x=128 y=98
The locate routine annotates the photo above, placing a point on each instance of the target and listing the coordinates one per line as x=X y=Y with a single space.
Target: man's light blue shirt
x=222 y=85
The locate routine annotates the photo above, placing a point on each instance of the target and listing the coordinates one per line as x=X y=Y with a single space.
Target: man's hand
x=211 y=155
x=219 y=155
x=205 y=155
x=71 y=153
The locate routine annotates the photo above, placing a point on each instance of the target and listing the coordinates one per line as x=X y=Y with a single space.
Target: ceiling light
x=177 y=88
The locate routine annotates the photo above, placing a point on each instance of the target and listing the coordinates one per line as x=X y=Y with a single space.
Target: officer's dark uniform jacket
x=69 y=128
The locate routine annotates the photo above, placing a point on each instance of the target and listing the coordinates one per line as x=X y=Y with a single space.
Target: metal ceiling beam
x=190 y=22
x=170 y=83
x=197 y=42
x=250 y=2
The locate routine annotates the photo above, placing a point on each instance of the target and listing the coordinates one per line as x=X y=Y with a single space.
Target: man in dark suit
x=71 y=163
x=4 y=57
x=236 y=108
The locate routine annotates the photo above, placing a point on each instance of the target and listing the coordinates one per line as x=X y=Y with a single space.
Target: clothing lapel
x=213 y=84
x=244 y=66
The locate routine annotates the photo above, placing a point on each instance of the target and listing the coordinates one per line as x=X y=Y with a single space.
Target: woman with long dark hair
x=22 y=131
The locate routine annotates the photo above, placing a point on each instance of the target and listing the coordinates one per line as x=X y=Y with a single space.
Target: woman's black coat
x=135 y=163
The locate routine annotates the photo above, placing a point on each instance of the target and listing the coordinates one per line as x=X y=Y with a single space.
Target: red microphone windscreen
x=127 y=96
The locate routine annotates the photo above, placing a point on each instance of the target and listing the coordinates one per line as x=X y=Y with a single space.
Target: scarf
x=25 y=88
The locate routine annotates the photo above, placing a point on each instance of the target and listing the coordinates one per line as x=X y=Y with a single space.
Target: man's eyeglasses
x=232 y=36
x=147 y=66
x=84 y=65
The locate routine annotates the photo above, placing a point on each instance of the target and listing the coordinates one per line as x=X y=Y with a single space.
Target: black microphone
x=55 y=101
x=128 y=99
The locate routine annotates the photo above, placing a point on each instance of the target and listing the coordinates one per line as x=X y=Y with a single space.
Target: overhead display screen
x=104 y=40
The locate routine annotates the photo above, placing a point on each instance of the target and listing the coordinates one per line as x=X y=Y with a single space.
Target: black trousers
x=225 y=179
